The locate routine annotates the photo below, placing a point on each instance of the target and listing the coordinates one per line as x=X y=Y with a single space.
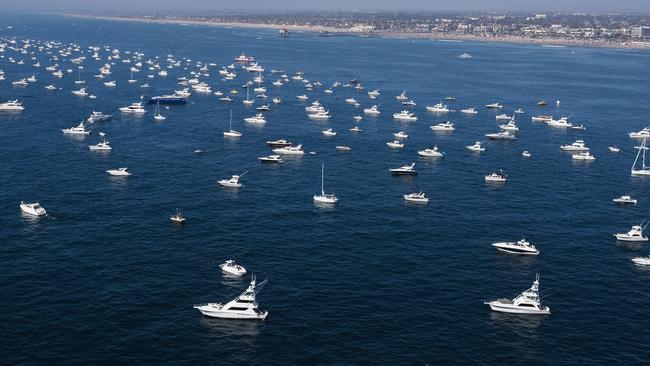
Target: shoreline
x=338 y=31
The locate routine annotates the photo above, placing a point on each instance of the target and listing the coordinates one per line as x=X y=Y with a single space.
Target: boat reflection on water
x=242 y=330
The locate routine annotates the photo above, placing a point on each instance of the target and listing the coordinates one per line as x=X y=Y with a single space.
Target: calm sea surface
x=106 y=278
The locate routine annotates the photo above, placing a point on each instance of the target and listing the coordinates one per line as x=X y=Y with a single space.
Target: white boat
x=418 y=197
x=157 y=116
x=355 y=129
x=625 y=200
x=409 y=103
x=439 y=108
x=134 y=108
x=102 y=146
x=275 y=159
x=402 y=97
x=81 y=92
x=578 y=146
x=110 y=84
x=119 y=172
x=322 y=115
x=503 y=117
x=343 y=148
x=519 y=247
x=644 y=133
x=477 y=147
x=526 y=154
x=431 y=152
x=244 y=306
x=302 y=97
x=11 y=105
x=642 y=261
x=510 y=126
x=278 y=143
x=583 y=156
x=50 y=87
x=258 y=119
x=405 y=116
x=372 y=111
x=99 y=117
x=396 y=144
x=503 y=135
x=404 y=170
x=233 y=182
x=519 y=111
x=77 y=130
x=374 y=93
x=329 y=133
x=323 y=197
x=231 y=132
x=232 y=268
x=400 y=135
x=614 y=149
x=644 y=171
x=559 y=123
x=494 y=105
x=443 y=127
x=541 y=118
x=33 y=209
x=469 y=111
x=21 y=82
x=496 y=177
x=634 y=234
x=528 y=302
x=177 y=218
x=464 y=56
x=289 y=150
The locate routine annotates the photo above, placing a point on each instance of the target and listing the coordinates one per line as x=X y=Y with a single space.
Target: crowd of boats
x=245 y=305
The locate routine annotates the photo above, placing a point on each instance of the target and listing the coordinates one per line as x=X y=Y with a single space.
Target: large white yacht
x=431 y=152
x=404 y=170
x=443 y=127
x=528 y=302
x=644 y=171
x=33 y=209
x=257 y=119
x=439 y=108
x=119 y=172
x=519 y=247
x=77 y=130
x=243 y=306
x=232 y=268
x=134 y=108
x=417 y=197
x=559 y=123
x=321 y=114
x=323 y=197
x=290 y=150
x=405 y=116
x=11 y=105
x=644 y=133
x=577 y=146
x=634 y=234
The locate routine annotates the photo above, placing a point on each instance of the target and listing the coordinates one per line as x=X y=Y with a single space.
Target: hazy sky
x=432 y=5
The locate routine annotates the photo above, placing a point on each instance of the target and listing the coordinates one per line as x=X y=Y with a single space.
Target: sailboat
x=231 y=132
x=324 y=198
x=248 y=101
x=157 y=116
x=644 y=170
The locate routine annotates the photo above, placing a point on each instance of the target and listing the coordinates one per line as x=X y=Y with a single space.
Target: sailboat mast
x=637 y=155
x=322 y=178
x=231 y=120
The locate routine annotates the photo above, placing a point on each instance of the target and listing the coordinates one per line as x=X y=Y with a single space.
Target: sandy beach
x=413 y=35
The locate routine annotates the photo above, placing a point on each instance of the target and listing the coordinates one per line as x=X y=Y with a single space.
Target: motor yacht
x=134 y=108
x=275 y=159
x=321 y=115
x=278 y=143
x=577 y=146
x=634 y=234
x=21 y=82
x=77 y=130
x=99 y=117
x=404 y=170
x=559 y=123
x=289 y=150
x=418 y=197
x=409 y=103
x=644 y=171
x=11 y=105
x=496 y=177
x=119 y=172
x=405 y=116
x=528 y=302
x=81 y=92
x=510 y=126
x=396 y=144
x=469 y=111
x=374 y=93
x=401 y=135
x=329 y=132
x=33 y=209
x=583 y=156
x=625 y=200
x=243 y=306
x=177 y=218
x=644 y=133
x=443 y=127
x=230 y=267
x=102 y=146
x=402 y=97
x=372 y=111
x=302 y=97
x=233 y=182
x=431 y=152
x=541 y=118
x=257 y=119
x=495 y=105
x=642 y=261
x=520 y=247
x=439 y=108
x=323 y=197
x=477 y=147
x=503 y=135
x=503 y=117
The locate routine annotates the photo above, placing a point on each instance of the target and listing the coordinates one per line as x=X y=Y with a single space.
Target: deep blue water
x=106 y=278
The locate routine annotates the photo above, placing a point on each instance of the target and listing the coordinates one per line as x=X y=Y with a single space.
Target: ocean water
x=106 y=278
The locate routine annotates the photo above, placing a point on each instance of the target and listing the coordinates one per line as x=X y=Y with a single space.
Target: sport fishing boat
x=78 y=130
x=634 y=234
x=494 y=105
x=642 y=261
x=33 y=209
x=528 y=302
x=278 y=143
x=496 y=177
x=274 y=159
x=289 y=150
x=439 y=108
x=232 y=268
x=578 y=146
x=477 y=147
x=503 y=135
x=99 y=117
x=395 y=144
x=520 y=247
x=443 y=127
x=405 y=116
x=431 y=152
x=644 y=133
x=233 y=182
x=625 y=200
x=418 y=197
x=119 y=172
x=244 y=306
x=587 y=156
x=404 y=170
x=541 y=118
x=372 y=111
x=469 y=111
x=102 y=146
x=177 y=218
